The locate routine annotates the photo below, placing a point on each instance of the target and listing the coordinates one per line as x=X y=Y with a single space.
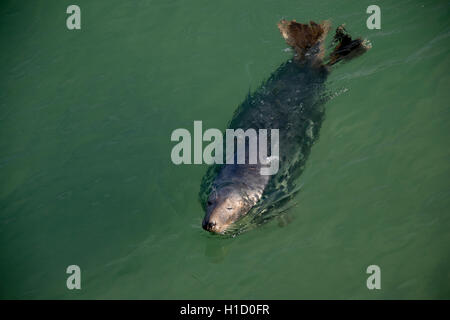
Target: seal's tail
x=346 y=48
x=308 y=42
x=306 y=39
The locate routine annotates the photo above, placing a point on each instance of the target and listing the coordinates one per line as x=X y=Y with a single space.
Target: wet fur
x=292 y=100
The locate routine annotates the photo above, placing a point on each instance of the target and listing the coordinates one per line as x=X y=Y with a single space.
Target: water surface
x=86 y=176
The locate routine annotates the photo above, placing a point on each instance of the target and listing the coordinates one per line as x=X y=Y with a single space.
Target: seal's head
x=224 y=207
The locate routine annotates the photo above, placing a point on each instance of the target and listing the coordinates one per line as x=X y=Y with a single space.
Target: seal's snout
x=224 y=207
x=208 y=225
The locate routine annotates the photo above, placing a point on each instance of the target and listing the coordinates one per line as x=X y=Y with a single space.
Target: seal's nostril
x=207 y=225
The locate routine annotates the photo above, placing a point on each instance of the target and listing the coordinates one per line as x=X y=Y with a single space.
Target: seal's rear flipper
x=306 y=39
x=346 y=48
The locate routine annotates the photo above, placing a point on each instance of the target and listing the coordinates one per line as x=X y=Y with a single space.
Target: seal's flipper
x=285 y=219
x=346 y=48
x=306 y=39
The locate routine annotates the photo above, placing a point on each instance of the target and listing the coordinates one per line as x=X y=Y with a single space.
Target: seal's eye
x=209 y=203
x=229 y=208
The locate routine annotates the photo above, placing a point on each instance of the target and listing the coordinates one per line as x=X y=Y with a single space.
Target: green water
x=86 y=176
